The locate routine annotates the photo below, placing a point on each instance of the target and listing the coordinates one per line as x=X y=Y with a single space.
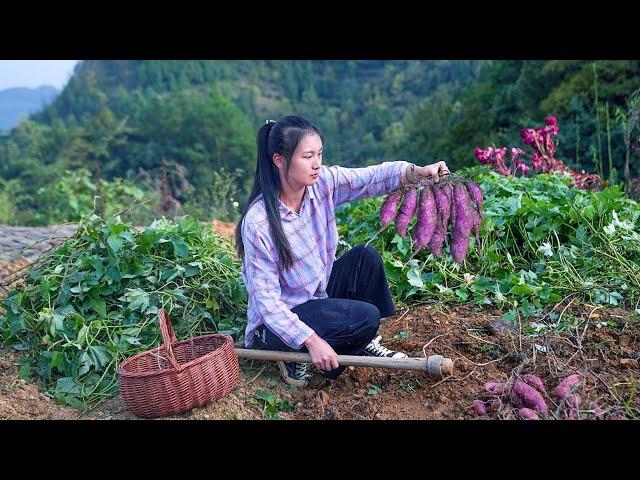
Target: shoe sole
x=287 y=379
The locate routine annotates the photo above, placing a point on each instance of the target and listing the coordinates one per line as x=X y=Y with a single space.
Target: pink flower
x=482 y=156
x=523 y=168
x=528 y=135
x=537 y=161
x=551 y=121
x=494 y=157
x=550 y=146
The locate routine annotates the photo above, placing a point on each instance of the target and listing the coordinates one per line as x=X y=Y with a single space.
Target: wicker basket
x=178 y=376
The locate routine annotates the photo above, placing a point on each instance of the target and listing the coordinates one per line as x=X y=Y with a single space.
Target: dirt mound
x=224 y=229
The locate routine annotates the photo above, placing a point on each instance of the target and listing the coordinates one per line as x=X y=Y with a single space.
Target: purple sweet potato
x=494 y=405
x=530 y=396
x=448 y=190
x=437 y=239
x=407 y=209
x=494 y=387
x=475 y=225
x=574 y=400
x=443 y=203
x=535 y=382
x=476 y=196
x=479 y=407
x=475 y=192
x=528 y=414
x=390 y=208
x=516 y=399
x=565 y=387
x=597 y=411
x=463 y=222
x=427 y=219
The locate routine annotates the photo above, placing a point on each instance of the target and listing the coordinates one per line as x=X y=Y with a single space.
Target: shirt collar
x=286 y=212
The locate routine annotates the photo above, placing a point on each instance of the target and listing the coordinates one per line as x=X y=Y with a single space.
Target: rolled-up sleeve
x=263 y=288
x=353 y=183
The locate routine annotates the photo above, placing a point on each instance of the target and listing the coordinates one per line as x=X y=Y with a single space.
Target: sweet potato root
x=494 y=387
x=535 y=382
x=567 y=385
x=407 y=209
x=528 y=414
x=463 y=223
x=479 y=407
x=389 y=208
x=530 y=396
x=427 y=219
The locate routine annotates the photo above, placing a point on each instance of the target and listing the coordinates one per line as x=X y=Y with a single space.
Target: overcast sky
x=34 y=73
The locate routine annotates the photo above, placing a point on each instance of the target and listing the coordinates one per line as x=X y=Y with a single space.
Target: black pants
x=349 y=319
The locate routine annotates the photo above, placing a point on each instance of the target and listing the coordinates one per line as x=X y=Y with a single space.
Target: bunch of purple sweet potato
x=436 y=206
x=527 y=394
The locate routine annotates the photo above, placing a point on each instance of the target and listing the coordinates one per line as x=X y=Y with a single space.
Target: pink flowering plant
x=542 y=159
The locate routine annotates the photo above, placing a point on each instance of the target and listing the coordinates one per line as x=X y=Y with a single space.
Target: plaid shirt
x=313 y=236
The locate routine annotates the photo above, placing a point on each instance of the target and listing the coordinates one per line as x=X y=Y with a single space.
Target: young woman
x=300 y=297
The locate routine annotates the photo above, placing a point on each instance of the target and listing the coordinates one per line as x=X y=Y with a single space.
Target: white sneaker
x=374 y=349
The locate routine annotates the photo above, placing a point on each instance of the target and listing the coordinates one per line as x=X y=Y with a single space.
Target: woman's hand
x=322 y=355
x=434 y=170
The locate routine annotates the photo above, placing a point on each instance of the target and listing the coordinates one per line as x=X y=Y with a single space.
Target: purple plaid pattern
x=313 y=236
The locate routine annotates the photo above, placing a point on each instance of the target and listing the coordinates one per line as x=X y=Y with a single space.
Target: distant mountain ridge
x=19 y=102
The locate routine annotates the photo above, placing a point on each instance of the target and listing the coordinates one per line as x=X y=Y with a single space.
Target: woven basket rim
x=206 y=357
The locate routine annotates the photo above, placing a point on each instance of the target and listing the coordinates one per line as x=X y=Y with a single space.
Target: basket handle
x=169 y=337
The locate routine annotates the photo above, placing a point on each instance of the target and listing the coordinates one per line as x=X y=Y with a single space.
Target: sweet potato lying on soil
x=574 y=400
x=479 y=407
x=566 y=386
x=528 y=414
x=597 y=411
x=529 y=396
x=534 y=381
x=516 y=400
x=493 y=405
x=427 y=219
x=407 y=209
x=494 y=387
x=390 y=208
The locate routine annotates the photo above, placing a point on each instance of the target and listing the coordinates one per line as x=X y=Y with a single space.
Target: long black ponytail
x=281 y=137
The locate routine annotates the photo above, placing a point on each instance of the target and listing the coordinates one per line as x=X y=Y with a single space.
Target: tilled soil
x=603 y=344
x=481 y=347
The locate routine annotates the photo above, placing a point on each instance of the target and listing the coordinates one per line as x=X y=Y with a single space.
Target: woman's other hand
x=435 y=170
